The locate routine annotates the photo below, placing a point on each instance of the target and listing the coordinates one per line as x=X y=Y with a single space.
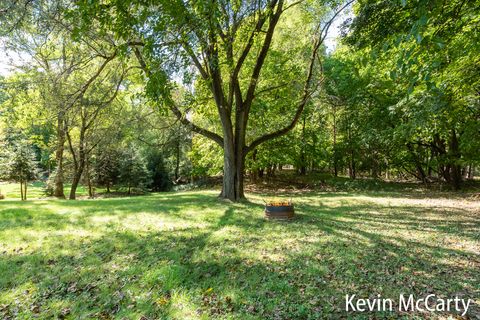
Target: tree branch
x=306 y=91
x=263 y=54
x=176 y=111
x=195 y=60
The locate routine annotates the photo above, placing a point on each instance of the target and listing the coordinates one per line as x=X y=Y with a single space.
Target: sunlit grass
x=191 y=256
x=36 y=190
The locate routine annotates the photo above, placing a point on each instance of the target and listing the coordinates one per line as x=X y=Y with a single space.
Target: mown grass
x=36 y=190
x=189 y=255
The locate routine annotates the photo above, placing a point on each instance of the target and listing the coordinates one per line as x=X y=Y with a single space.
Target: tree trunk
x=90 y=187
x=75 y=181
x=303 y=168
x=77 y=175
x=455 y=167
x=352 y=172
x=25 y=190
x=58 y=191
x=21 y=190
x=233 y=174
x=335 y=156
x=261 y=172
x=335 y=164
x=470 y=172
x=303 y=160
x=418 y=164
x=177 y=160
x=79 y=165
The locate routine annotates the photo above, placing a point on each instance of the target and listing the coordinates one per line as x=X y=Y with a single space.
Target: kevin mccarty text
x=408 y=303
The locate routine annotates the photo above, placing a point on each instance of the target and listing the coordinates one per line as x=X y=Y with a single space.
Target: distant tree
x=133 y=170
x=160 y=177
x=107 y=167
x=19 y=165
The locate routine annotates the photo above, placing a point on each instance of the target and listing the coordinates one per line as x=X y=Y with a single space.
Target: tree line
x=138 y=95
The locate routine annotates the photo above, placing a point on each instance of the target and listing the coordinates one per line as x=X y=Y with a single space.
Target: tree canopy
x=181 y=90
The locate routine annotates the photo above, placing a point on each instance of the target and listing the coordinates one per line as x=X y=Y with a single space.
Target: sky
x=4 y=62
x=7 y=60
x=331 y=40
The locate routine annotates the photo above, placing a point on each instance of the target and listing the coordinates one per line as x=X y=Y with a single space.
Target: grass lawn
x=35 y=190
x=188 y=255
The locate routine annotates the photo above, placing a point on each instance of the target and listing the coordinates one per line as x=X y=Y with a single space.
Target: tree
x=74 y=79
x=228 y=43
x=133 y=170
x=106 y=166
x=19 y=165
x=160 y=180
x=426 y=51
x=99 y=92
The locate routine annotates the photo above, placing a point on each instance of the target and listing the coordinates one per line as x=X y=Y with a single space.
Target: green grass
x=36 y=190
x=190 y=256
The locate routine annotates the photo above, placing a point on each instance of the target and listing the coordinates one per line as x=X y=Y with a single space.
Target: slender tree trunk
x=89 y=180
x=352 y=172
x=75 y=181
x=90 y=189
x=261 y=172
x=470 y=172
x=177 y=160
x=25 y=190
x=58 y=191
x=418 y=165
x=455 y=167
x=335 y=157
x=79 y=167
x=303 y=166
x=21 y=190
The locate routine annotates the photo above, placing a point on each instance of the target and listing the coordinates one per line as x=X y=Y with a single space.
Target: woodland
x=140 y=141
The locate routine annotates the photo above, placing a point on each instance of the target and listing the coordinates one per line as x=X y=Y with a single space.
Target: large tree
x=228 y=43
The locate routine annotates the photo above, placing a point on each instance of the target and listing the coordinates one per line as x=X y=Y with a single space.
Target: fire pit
x=279 y=210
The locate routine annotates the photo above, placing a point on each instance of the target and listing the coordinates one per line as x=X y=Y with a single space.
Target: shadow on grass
x=235 y=265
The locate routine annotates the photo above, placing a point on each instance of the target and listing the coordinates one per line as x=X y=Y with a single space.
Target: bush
x=160 y=180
